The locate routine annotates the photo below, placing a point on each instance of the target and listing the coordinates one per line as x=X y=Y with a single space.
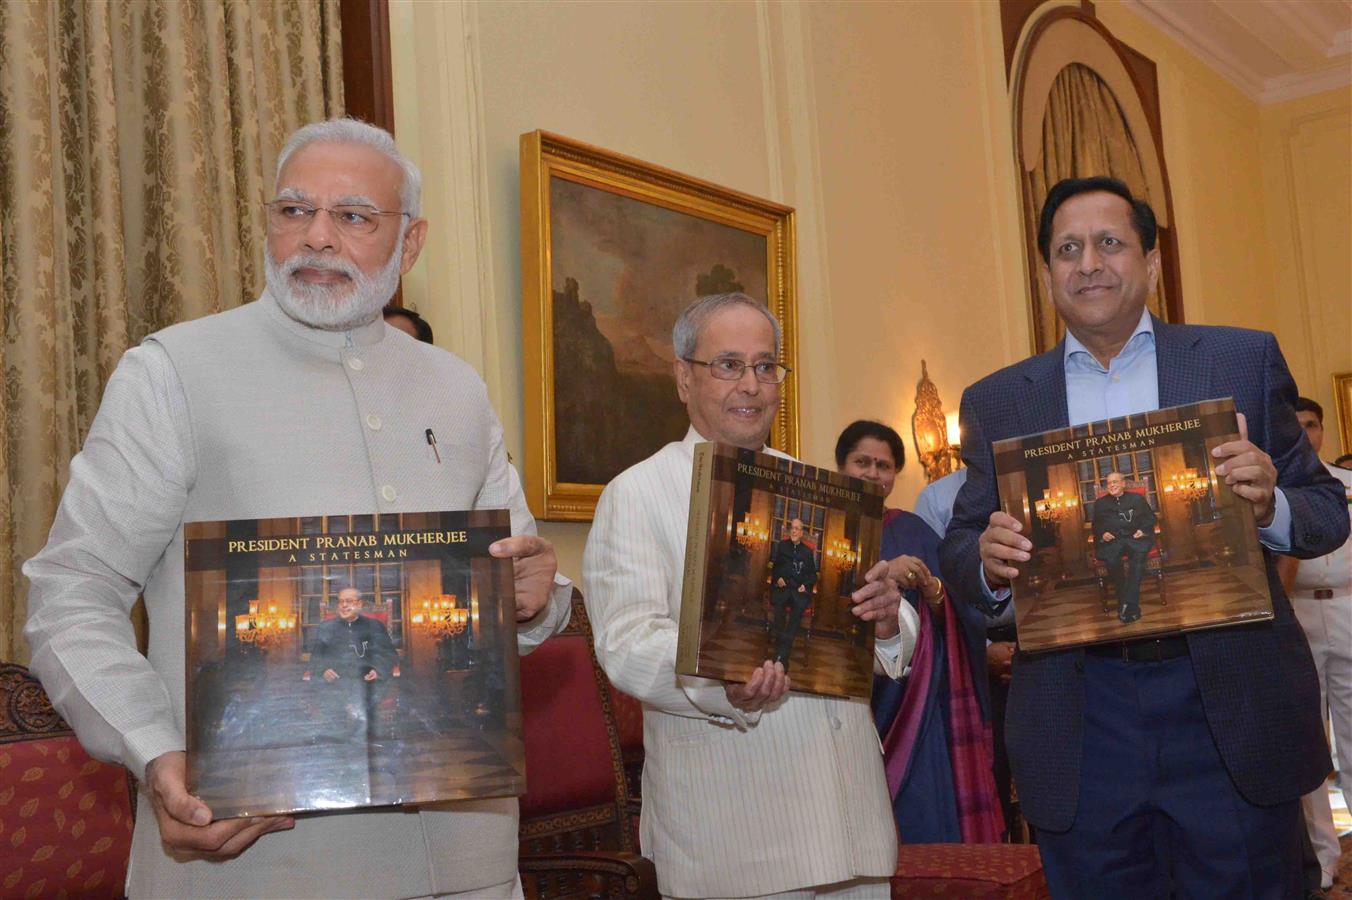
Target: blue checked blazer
x=1257 y=682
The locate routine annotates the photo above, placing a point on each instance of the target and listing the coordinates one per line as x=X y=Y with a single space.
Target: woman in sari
x=935 y=722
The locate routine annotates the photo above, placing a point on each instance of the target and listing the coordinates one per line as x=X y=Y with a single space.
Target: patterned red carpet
x=1342 y=882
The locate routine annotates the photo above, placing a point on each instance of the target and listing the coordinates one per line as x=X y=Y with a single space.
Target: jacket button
x=388 y=493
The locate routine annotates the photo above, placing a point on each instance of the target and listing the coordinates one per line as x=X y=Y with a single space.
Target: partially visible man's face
x=349 y=604
x=321 y=275
x=1116 y=484
x=1098 y=277
x=1314 y=429
x=796 y=530
x=733 y=412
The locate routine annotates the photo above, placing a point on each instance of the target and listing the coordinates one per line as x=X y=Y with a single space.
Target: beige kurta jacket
x=249 y=414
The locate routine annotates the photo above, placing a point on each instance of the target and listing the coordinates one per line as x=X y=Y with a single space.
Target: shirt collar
x=693 y=437
x=1145 y=326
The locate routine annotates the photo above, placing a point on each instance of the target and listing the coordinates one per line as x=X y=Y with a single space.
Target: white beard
x=332 y=307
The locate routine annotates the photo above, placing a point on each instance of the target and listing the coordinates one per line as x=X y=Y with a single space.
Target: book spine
x=696 y=549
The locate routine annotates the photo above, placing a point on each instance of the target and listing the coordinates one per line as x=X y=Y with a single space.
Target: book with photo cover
x=350 y=660
x=1133 y=533
x=774 y=549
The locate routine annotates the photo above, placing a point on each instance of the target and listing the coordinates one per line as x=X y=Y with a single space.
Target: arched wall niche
x=1042 y=39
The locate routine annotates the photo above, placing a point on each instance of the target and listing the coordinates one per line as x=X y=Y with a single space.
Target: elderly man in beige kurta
x=747 y=790
x=258 y=413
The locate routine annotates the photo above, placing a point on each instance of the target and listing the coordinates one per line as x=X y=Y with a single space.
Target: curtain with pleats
x=1084 y=133
x=138 y=140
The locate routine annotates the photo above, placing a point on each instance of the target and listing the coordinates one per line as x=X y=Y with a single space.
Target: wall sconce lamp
x=936 y=436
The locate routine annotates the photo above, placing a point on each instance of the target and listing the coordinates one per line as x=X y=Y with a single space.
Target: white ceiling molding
x=1272 y=50
x=1289 y=87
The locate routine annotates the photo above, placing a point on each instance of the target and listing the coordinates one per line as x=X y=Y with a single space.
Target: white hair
x=355 y=131
x=685 y=333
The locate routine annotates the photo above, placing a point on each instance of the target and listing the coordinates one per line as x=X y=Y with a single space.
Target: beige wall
x=885 y=125
x=814 y=106
x=1307 y=187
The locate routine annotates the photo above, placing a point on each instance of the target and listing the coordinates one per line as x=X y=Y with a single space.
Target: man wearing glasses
x=748 y=790
x=301 y=403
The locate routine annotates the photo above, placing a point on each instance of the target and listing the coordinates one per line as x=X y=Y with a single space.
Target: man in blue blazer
x=1171 y=765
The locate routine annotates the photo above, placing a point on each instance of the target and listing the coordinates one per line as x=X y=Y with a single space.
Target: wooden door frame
x=368 y=79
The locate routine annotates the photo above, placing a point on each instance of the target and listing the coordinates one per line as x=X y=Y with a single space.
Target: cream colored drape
x=137 y=142
x=1084 y=133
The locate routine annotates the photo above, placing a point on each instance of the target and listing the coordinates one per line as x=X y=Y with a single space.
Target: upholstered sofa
x=65 y=819
x=584 y=748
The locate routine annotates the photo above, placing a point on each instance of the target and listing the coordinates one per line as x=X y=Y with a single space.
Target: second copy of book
x=350 y=660
x=1133 y=532
x=774 y=550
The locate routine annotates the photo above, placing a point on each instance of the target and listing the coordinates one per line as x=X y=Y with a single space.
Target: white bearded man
x=301 y=403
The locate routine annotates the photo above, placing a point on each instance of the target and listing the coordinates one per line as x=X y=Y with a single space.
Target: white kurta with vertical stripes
x=733 y=804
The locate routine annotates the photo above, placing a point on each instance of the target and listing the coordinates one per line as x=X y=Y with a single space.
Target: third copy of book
x=350 y=660
x=774 y=550
x=1133 y=532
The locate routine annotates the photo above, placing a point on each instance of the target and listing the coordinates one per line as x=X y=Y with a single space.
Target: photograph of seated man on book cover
x=793 y=573
x=350 y=660
x=1123 y=531
x=1133 y=534
x=781 y=547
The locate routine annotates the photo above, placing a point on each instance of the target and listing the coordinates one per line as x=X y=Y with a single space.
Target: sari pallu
x=935 y=724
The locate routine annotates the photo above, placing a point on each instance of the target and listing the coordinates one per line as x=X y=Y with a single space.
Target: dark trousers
x=1000 y=765
x=789 y=604
x=1126 y=587
x=1158 y=815
x=352 y=707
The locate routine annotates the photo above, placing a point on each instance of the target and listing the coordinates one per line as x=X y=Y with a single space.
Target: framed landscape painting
x=612 y=250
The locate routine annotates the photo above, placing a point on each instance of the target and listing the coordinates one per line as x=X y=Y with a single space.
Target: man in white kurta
x=1321 y=595
x=255 y=413
x=747 y=790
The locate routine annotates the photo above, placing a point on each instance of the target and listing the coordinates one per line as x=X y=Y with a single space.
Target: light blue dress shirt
x=935 y=503
x=1130 y=385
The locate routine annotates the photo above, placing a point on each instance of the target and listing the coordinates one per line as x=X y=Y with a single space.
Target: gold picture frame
x=612 y=249
x=1342 y=398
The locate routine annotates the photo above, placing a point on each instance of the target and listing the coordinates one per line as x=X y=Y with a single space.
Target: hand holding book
x=185 y=822
x=767 y=684
x=534 y=565
x=877 y=601
x=1250 y=472
x=1000 y=545
x=912 y=573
